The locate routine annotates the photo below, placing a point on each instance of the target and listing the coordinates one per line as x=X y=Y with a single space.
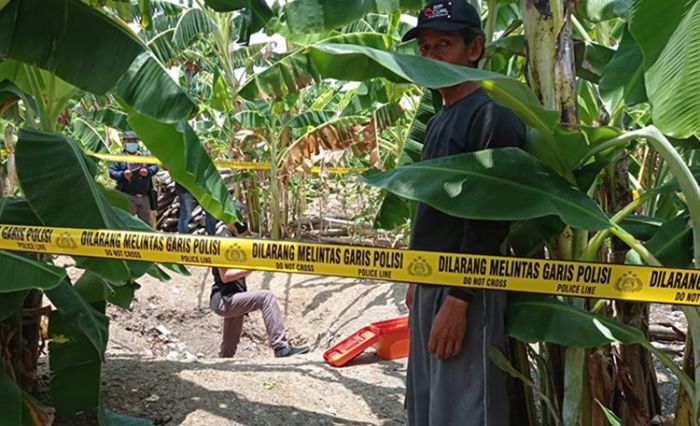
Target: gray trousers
x=466 y=390
x=140 y=205
x=233 y=308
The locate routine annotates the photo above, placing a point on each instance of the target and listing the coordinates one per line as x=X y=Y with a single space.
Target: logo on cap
x=439 y=10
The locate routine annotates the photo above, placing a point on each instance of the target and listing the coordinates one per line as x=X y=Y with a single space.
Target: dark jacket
x=137 y=184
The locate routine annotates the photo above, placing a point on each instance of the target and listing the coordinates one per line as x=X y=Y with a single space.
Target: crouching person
x=231 y=299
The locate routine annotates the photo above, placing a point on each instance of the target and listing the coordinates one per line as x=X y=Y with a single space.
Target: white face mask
x=131 y=146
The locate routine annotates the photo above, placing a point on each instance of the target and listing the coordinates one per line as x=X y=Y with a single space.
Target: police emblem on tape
x=420 y=268
x=65 y=241
x=629 y=282
x=235 y=254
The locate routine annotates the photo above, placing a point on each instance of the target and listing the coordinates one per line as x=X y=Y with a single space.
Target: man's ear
x=474 y=49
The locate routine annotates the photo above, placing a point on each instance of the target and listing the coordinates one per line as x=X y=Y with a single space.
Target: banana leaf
x=162 y=46
x=310 y=118
x=256 y=12
x=79 y=335
x=16 y=211
x=672 y=244
x=56 y=35
x=358 y=63
x=602 y=10
x=252 y=120
x=88 y=136
x=11 y=303
x=361 y=63
x=9 y=94
x=108 y=117
x=10 y=398
x=527 y=238
x=93 y=289
x=395 y=211
x=39 y=155
x=178 y=147
x=294 y=71
x=622 y=82
x=192 y=23
x=498 y=184
x=671 y=53
x=311 y=16
x=591 y=59
x=533 y=318
x=145 y=8
x=19 y=273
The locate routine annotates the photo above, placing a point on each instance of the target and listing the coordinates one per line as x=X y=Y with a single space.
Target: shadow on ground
x=167 y=392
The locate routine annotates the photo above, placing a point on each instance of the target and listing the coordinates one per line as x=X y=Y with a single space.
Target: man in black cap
x=450 y=379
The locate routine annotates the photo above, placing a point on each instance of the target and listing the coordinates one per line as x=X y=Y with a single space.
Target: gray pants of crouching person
x=234 y=307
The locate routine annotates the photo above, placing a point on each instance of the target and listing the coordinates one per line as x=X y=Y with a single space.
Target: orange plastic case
x=391 y=337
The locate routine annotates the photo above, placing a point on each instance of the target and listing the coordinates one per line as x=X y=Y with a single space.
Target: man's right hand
x=127 y=174
x=409 y=295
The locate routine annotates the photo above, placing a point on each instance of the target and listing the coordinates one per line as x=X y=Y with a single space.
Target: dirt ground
x=162 y=356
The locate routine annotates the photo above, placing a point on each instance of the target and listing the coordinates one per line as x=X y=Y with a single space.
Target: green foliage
x=533 y=318
x=192 y=23
x=83 y=206
x=395 y=211
x=487 y=184
x=194 y=170
x=310 y=16
x=10 y=398
x=673 y=242
x=623 y=77
x=23 y=273
x=79 y=337
x=9 y=94
x=55 y=37
x=671 y=60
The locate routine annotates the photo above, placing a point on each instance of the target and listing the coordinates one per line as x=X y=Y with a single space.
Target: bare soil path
x=162 y=364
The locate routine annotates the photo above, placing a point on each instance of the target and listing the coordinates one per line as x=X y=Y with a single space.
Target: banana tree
x=577 y=153
x=42 y=52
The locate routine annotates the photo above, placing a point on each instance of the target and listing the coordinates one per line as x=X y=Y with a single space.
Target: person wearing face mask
x=135 y=180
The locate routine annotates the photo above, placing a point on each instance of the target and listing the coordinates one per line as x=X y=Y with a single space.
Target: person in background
x=186 y=201
x=231 y=300
x=135 y=180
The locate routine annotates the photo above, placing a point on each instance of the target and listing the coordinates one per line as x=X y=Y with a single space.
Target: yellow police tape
x=594 y=280
x=239 y=165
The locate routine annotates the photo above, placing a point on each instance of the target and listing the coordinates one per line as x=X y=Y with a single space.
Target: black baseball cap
x=452 y=15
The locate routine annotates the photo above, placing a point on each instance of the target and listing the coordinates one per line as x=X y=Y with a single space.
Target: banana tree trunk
x=11 y=170
x=550 y=55
x=641 y=400
x=551 y=74
x=520 y=397
x=684 y=405
x=20 y=337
